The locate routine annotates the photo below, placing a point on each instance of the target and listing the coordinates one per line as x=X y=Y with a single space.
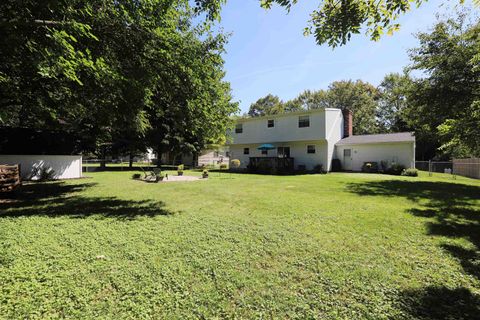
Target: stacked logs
x=9 y=177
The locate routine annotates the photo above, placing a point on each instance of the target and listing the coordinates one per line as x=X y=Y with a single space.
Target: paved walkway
x=172 y=178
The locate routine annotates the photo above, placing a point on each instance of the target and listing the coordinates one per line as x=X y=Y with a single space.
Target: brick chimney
x=347 y=123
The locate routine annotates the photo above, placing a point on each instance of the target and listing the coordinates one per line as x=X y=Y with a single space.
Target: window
x=303 y=121
x=311 y=148
x=239 y=128
x=246 y=151
x=283 y=152
x=215 y=154
x=264 y=151
x=227 y=154
x=270 y=123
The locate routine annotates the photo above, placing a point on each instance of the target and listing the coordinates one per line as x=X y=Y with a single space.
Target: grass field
x=336 y=246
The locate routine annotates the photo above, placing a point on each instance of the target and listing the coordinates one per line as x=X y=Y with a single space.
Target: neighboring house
x=205 y=157
x=311 y=138
x=213 y=157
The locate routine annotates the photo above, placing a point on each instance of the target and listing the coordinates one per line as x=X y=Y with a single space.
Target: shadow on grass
x=441 y=303
x=452 y=210
x=61 y=199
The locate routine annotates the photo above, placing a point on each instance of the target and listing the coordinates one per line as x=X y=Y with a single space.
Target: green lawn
x=336 y=246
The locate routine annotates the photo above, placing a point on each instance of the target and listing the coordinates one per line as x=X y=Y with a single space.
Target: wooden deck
x=271 y=165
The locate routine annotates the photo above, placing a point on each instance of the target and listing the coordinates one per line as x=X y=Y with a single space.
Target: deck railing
x=271 y=165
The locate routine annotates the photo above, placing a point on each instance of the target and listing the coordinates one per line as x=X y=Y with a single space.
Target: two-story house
x=315 y=137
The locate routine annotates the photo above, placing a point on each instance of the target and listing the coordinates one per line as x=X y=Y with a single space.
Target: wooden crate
x=9 y=177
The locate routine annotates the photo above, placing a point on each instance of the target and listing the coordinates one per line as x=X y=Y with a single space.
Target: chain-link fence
x=462 y=167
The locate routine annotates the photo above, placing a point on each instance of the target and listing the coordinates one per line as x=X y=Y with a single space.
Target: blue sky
x=268 y=53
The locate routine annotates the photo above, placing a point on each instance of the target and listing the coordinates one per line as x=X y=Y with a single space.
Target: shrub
x=205 y=173
x=370 y=167
x=336 y=165
x=395 y=169
x=223 y=166
x=180 y=167
x=318 y=169
x=136 y=176
x=410 y=172
x=235 y=163
x=301 y=168
x=383 y=166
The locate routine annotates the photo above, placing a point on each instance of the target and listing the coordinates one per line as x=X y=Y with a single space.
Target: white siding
x=286 y=128
x=400 y=152
x=65 y=167
x=334 y=121
x=298 y=151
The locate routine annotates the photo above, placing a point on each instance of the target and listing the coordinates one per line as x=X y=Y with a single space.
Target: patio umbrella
x=266 y=146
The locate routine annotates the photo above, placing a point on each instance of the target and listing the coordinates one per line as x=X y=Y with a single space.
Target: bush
x=319 y=169
x=205 y=173
x=301 y=168
x=223 y=166
x=136 y=176
x=370 y=167
x=410 y=172
x=235 y=163
x=395 y=169
x=336 y=165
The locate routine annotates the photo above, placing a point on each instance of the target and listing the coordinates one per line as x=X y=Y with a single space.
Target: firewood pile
x=9 y=177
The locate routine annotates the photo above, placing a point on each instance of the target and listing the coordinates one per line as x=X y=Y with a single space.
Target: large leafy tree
x=270 y=104
x=444 y=102
x=335 y=21
x=392 y=102
x=99 y=68
x=360 y=98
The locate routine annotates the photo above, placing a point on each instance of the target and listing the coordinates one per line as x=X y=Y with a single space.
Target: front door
x=347 y=159
x=283 y=152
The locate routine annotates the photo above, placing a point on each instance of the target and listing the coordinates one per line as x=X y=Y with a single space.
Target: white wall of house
x=65 y=166
x=255 y=130
x=334 y=125
x=399 y=152
x=298 y=151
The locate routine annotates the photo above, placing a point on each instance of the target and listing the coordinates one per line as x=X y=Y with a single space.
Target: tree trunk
x=130 y=162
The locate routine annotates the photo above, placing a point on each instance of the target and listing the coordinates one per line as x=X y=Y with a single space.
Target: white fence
x=31 y=166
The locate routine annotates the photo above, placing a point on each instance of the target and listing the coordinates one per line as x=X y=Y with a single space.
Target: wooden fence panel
x=467 y=167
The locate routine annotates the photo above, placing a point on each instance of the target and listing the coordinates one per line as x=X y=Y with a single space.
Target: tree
x=392 y=102
x=444 y=103
x=267 y=105
x=360 y=98
x=309 y=100
x=111 y=70
x=335 y=21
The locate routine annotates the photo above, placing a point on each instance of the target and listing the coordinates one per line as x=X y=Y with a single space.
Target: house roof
x=378 y=138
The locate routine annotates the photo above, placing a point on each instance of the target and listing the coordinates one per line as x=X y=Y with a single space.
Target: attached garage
x=354 y=151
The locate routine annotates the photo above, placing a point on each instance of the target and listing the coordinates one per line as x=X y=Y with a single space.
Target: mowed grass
x=336 y=246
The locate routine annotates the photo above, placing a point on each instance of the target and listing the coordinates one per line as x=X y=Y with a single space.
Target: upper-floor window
x=270 y=123
x=303 y=121
x=238 y=128
x=246 y=151
x=311 y=148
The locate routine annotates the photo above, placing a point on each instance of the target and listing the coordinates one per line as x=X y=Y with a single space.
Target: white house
x=315 y=137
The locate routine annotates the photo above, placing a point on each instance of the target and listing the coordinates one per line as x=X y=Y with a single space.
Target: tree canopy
x=125 y=71
x=334 y=22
